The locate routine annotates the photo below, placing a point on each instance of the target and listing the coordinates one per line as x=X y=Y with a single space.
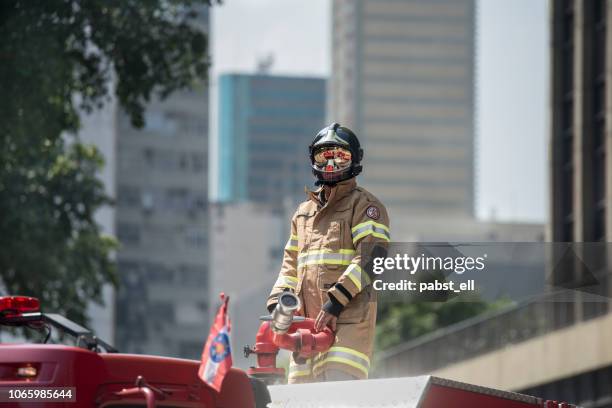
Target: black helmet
x=335 y=155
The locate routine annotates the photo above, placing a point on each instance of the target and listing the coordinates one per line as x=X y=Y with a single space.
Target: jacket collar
x=336 y=192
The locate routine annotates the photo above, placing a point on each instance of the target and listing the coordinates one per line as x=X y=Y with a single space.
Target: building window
x=163 y=311
x=195 y=238
x=192 y=276
x=128 y=233
x=167 y=160
x=198 y=162
x=128 y=196
x=160 y=122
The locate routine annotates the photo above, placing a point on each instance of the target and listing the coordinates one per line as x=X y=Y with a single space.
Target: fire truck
x=92 y=373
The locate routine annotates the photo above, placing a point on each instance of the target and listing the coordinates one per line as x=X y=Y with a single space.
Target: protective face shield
x=332 y=163
x=335 y=155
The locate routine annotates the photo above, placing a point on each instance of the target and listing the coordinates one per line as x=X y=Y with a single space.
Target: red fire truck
x=91 y=373
x=94 y=374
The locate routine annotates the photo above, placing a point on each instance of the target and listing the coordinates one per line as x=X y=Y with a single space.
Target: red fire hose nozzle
x=283 y=330
x=303 y=339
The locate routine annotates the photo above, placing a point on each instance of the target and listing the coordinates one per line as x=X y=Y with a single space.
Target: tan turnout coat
x=324 y=251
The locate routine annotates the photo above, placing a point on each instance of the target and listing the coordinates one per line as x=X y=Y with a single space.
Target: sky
x=511 y=85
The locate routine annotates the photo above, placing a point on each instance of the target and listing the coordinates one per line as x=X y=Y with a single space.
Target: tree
x=403 y=317
x=53 y=53
x=400 y=322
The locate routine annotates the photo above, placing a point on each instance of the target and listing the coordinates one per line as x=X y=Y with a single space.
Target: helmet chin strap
x=325 y=183
x=320 y=182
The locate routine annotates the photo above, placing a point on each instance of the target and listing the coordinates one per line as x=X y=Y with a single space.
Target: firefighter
x=333 y=235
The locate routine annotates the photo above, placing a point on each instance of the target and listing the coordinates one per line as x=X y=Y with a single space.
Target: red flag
x=217 y=356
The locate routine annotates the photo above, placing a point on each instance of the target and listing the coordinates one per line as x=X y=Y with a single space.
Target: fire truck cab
x=92 y=373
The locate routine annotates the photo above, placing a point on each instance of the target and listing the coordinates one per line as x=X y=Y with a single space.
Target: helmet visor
x=332 y=158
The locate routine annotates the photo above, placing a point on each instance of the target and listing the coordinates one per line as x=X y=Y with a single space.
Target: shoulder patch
x=373 y=212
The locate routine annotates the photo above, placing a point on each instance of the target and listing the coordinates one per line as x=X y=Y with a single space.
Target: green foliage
x=401 y=322
x=58 y=57
x=50 y=246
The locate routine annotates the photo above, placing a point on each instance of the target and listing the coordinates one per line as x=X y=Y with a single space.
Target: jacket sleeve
x=370 y=233
x=287 y=277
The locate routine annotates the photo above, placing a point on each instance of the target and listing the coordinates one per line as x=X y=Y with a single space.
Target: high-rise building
x=558 y=349
x=580 y=158
x=403 y=79
x=581 y=123
x=100 y=129
x=265 y=126
x=162 y=223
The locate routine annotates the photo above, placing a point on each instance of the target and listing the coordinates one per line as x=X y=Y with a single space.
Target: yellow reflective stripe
x=350 y=351
x=370 y=228
x=375 y=224
x=382 y=236
x=292 y=243
x=356 y=282
x=343 y=361
x=344 y=355
x=341 y=257
x=326 y=261
x=302 y=373
x=355 y=274
x=327 y=251
x=285 y=281
x=371 y=232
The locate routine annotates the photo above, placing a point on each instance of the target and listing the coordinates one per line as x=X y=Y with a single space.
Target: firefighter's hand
x=325 y=319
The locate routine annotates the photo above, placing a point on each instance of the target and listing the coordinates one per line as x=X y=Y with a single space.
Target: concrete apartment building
x=266 y=123
x=403 y=79
x=552 y=349
x=162 y=223
x=245 y=257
